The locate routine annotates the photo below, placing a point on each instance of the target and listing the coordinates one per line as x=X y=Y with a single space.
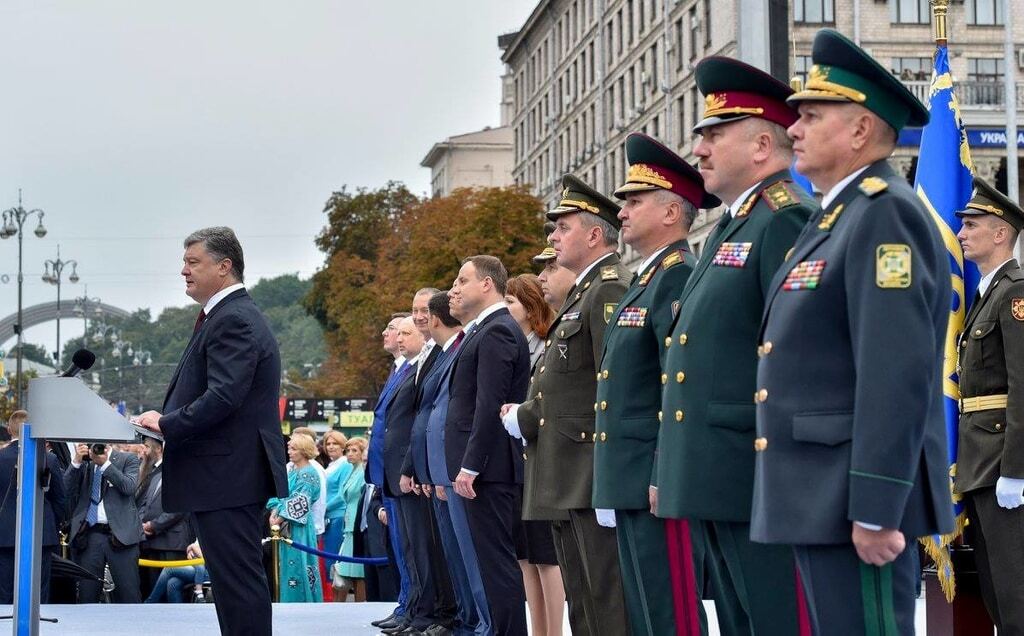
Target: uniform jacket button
x=761 y=396
x=767 y=347
x=604 y=437
x=760 y=444
x=664 y=378
x=668 y=341
x=542 y=421
x=604 y=374
x=659 y=416
x=583 y=436
x=680 y=377
x=682 y=338
x=604 y=405
x=679 y=416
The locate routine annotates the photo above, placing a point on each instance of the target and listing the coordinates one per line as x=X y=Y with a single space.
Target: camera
x=98 y=449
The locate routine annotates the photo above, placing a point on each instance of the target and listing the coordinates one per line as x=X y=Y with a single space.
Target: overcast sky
x=133 y=123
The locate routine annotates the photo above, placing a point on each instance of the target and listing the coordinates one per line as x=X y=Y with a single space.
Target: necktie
x=458 y=340
x=92 y=514
x=723 y=222
x=199 y=320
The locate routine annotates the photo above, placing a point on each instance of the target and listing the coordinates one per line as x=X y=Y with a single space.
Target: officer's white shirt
x=987 y=279
x=831 y=195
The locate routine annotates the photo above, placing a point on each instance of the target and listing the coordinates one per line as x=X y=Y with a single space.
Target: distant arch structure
x=45 y=312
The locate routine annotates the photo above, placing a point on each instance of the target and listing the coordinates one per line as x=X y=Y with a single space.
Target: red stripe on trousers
x=803 y=617
x=684 y=581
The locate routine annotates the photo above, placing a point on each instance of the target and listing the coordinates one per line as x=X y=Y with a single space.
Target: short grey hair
x=220 y=243
x=689 y=209
x=611 y=235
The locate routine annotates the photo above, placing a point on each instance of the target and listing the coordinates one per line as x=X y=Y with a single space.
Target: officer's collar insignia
x=646 y=278
x=748 y=205
x=778 y=195
x=609 y=311
x=892 y=266
x=830 y=219
x=609 y=273
x=1017 y=308
x=872 y=186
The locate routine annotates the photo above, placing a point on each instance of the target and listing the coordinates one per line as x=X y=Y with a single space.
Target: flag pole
x=1010 y=91
x=939 y=10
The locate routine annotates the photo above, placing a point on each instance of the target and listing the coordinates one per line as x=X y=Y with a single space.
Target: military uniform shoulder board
x=748 y=205
x=872 y=186
x=609 y=273
x=674 y=258
x=778 y=196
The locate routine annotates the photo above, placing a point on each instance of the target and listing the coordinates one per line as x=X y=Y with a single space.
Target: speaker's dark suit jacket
x=492 y=369
x=401 y=414
x=220 y=417
x=117 y=491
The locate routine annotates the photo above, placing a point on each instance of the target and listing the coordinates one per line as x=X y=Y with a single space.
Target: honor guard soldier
x=851 y=464
x=662 y=194
x=990 y=452
x=705 y=470
x=558 y=423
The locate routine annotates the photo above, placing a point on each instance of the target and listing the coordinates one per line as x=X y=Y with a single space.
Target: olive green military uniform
x=558 y=425
x=991 y=435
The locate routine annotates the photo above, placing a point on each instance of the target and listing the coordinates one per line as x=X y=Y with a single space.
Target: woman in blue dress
x=349 y=575
x=299 y=571
x=337 y=472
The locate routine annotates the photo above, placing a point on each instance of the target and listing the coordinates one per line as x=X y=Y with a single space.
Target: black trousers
x=98 y=550
x=7 y=575
x=230 y=540
x=434 y=597
x=492 y=523
x=999 y=541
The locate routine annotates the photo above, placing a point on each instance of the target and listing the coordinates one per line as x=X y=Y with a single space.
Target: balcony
x=972 y=95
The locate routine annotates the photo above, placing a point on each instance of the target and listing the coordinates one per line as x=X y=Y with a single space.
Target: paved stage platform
x=201 y=620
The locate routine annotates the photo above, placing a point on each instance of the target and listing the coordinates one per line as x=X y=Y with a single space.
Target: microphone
x=81 y=361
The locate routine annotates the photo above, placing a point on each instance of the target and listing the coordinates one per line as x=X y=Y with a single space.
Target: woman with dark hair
x=545 y=594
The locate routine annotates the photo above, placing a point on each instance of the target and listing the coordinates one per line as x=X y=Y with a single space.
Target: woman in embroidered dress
x=300 y=572
x=337 y=472
x=348 y=575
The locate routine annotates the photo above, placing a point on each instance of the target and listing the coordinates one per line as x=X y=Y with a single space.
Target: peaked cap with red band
x=652 y=166
x=734 y=90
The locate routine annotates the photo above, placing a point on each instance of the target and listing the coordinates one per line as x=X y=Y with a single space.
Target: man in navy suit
x=224 y=454
x=484 y=463
x=53 y=512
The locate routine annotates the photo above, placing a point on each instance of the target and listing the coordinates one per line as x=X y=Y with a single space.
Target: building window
x=814 y=11
x=984 y=69
x=694 y=32
x=695 y=109
x=916 y=69
x=985 y=12
x=909 y=12
x=984 y=82
x=707 y=24
x=679 y=43
x=681 y=120
x=801 y=66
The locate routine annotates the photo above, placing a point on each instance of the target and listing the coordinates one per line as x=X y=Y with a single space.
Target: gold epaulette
x=778 y=196
x=674 y=258
x=872 y=186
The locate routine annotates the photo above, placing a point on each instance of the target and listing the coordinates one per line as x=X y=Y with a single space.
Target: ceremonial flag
x=944 y=170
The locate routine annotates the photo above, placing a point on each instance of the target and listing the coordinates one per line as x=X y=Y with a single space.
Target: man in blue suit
x=224 y=453
x=53 y=512
x=484 y=463
x=388 y=513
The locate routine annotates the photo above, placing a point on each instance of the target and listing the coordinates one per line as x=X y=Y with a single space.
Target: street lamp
x=55 y=279
x=142 y=359
x=121 y=347
x=14 y=222
x=82 y=309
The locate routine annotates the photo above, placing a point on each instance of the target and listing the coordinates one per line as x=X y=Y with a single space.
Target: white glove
x=1010 y=492
x=511 y=422
x=605 y=517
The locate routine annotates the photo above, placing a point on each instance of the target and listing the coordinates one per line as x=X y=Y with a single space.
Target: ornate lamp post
x=143 y=358
x=13 y=225
x=82 y=308
x=55 y=279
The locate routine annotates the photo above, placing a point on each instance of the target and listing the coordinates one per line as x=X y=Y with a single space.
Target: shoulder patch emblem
x=674 y=258
x=830 y=219
x=778 y=196
x=892 y=266
x=609 y=311
x=609 y=273
x=1017 y=308
x=747 y=206
x=872 y=186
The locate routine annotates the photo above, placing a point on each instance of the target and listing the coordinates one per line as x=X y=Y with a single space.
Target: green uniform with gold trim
x=705 y=468
x=558 y=425
x=626 y=433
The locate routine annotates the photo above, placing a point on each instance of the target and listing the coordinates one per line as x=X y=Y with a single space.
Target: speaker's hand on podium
x=150 y=420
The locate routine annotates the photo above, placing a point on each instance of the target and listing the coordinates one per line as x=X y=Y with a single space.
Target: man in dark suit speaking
x=224 y=454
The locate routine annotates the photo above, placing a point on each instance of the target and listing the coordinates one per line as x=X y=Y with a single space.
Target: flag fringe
x=937 y=547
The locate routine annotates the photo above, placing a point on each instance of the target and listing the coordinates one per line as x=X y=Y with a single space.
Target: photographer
x=105 y=526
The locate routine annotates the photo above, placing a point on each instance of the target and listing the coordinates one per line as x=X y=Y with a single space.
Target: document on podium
x=141 y=432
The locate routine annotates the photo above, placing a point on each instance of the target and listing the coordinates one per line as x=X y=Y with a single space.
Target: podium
x=60 y=410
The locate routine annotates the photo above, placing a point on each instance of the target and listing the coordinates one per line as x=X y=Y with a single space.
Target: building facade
x=477 y=159
x=582 y=74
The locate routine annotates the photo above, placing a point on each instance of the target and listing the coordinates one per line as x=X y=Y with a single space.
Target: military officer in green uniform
x=990 y=452
x=662 y=194
x=705 y=468
x=558 y=423
x=851 y=464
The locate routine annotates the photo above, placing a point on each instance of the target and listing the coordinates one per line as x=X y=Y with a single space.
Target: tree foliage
x=418 y=245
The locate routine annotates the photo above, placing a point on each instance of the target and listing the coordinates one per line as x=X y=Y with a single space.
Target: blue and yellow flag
x=944 y=170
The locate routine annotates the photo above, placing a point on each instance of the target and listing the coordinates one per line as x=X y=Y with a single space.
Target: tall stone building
x=582 y=74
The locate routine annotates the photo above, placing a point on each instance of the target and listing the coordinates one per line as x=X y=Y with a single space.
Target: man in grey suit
x=166 y=535
x=105 y=526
